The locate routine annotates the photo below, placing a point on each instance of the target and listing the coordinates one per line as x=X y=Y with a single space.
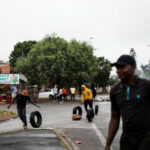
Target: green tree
x=146 y=71
x=21 y=49
x=133 y=53
x=54 y=60
x=103 y=72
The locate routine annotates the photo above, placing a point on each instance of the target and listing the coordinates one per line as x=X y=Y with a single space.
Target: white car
x=46 y=94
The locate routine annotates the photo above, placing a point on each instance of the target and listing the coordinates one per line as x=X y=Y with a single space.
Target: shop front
x=6 y=83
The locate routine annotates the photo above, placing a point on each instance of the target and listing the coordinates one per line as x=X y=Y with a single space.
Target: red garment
x=64 y=91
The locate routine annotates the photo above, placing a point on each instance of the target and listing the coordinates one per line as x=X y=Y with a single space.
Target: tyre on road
x=35 y=123
x=90 y=115
x=96 y=109
x=77 y=110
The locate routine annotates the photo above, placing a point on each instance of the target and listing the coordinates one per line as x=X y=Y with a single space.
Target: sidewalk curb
x=66 y=140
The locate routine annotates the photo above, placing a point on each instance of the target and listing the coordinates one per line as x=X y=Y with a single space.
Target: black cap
x=124 y=60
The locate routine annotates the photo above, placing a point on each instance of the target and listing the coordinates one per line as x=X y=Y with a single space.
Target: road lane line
x=100 y=135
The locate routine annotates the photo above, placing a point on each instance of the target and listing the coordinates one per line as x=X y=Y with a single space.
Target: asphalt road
x=30 y=140
x=59 y=116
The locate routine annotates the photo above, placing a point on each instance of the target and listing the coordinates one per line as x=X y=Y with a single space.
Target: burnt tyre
x=77 y=110
x=35 y=119
x=90 y=115
x=96 y=109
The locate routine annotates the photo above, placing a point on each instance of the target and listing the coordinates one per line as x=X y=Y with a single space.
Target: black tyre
x=51 y=96
x=77 y=110
x=90 y=115
x=96 y=109
x=35 y=124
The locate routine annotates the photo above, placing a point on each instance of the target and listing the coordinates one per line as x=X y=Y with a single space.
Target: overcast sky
x=115 y=26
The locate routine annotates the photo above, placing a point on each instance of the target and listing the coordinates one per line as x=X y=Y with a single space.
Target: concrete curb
x=66 y=140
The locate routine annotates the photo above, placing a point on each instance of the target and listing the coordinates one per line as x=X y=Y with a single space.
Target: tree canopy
x=20 y=50
x=54 y=60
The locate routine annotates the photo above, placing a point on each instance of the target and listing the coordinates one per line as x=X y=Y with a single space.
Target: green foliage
x=54 y=60
x=146 y=70
x=103 y=71
x=20 y=50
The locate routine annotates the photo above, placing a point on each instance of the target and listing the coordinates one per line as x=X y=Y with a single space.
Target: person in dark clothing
x=130 y=100
x=93 y=92
x=21 y=106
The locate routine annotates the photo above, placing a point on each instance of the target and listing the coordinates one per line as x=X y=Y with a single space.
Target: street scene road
x=59 y=117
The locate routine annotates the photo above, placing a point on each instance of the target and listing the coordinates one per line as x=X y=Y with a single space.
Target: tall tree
x=103 y=72
x=133 y=53
x=146 y=71
x=54 y=60
x=21 y=49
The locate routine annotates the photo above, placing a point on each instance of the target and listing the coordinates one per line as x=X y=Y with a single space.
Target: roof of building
x=5 y=69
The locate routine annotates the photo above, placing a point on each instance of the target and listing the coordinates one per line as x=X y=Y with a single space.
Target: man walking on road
x=86 y=97
x=72 y=91
x=130 y=99
x=21 y=106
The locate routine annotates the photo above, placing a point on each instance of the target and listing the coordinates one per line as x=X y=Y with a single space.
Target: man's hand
x=8 y=107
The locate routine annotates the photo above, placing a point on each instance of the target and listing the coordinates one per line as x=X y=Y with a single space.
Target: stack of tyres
x=77 y=110
x=77 y=113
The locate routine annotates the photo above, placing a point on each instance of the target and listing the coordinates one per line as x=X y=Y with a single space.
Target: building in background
x=5 y=67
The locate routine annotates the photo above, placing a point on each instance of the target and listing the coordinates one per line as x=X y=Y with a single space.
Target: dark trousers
x=140 y=142
x=72 y=96
x=60 y=96
x=65 y=97
x=88 y=102
x=22 y=115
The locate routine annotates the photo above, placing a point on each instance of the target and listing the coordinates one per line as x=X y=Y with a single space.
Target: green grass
x=4 y=111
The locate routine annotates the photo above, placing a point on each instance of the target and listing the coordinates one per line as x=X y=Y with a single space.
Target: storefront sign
x=9 y=78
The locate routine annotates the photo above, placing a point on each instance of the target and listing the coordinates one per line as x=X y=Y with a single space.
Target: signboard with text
x=9 y=78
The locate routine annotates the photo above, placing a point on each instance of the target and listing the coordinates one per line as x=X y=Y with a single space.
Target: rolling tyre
x=90 y=115
x=77 y=110
x=96 y=109
x=35 y=123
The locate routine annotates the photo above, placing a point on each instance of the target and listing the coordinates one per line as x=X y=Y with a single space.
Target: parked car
x=46 y=93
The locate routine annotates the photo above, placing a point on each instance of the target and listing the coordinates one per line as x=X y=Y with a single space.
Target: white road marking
x=100 y=135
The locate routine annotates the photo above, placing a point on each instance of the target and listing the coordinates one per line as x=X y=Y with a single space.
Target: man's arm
x=33 y=102
x=113 y=128
x=82 y=101
x=11 y=103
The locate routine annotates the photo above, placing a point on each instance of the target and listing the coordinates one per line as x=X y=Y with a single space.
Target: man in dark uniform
x=130 y=100
x=21 y=106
